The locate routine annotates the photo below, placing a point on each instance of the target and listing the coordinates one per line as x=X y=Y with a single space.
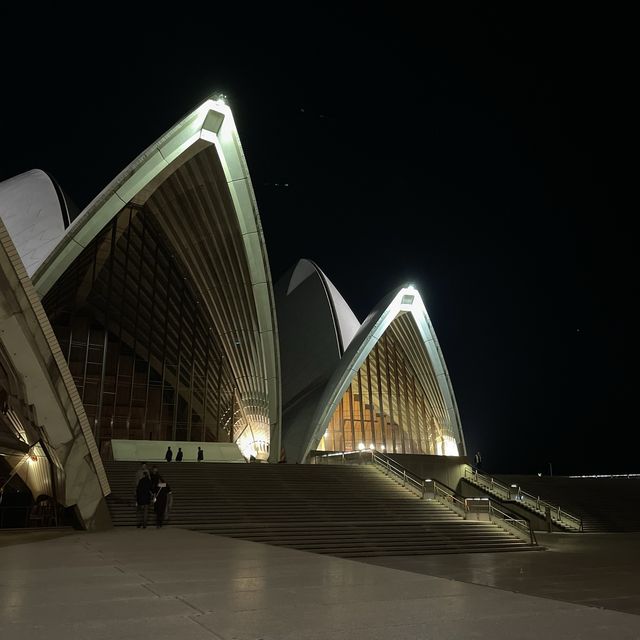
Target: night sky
x=478 y=154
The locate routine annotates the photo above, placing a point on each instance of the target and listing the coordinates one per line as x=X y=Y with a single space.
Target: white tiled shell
x=31 y=212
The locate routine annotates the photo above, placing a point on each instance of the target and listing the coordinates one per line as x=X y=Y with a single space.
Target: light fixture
x=381 y=447
x=361 y=446
x=372 y=447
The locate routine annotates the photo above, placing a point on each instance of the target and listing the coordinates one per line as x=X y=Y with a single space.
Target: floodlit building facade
x=383 y=384
x=150 y=316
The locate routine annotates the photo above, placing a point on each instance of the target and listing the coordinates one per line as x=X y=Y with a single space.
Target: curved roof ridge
x=205 y=142
x=347 y=323
x=406 y=299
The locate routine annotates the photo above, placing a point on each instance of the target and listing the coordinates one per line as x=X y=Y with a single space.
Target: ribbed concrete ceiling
x=195 y=210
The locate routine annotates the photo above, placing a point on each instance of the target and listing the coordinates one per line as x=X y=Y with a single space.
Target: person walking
x=169 y=455
x=200 y=455
x=478 y=460
x=143 y=499
x=162 y=501
x=179 y=455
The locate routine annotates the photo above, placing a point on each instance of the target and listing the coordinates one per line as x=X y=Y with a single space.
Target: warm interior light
x=381 y=447
x=361 y=446
x=372 y=447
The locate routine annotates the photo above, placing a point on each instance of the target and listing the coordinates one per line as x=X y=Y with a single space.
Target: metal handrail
x=557 y=514
x=441 y=492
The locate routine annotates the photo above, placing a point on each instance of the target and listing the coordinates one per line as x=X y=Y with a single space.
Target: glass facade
x=142 y=351
x=386 y=404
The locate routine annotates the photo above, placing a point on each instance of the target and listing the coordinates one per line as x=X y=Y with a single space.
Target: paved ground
x=10 y=537
x=171 y=583
x=599 y=570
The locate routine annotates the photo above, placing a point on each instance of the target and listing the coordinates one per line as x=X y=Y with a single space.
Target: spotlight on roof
x=220 y=97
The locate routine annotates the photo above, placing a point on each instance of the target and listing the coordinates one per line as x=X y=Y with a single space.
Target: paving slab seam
x=212 y=633
x=192 y=606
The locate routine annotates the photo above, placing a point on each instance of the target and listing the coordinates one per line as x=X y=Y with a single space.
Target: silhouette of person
x=179 y=455
x=168 y=455
x=200 y=455
x=143 y=499
x=478 y=460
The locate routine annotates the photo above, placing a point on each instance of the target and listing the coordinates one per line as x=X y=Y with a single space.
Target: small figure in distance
x=478 y=460
x=168 y=455
x=179 y=455
x=200 y=455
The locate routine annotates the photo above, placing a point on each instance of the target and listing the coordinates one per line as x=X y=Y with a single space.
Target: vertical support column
x=361 y=407
x=353 y=427
x=150 y=337
x=176 y=403
x=401 y=421
x=389 y=391
x=106 y=330
x=380 y=397
x=372 y=405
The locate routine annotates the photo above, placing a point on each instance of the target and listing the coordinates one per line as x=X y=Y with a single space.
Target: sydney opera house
x=151 y=317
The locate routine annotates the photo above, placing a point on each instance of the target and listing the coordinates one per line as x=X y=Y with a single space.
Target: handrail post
x=404 y=477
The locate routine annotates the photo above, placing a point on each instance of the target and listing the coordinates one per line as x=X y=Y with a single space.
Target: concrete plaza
x=173 y=583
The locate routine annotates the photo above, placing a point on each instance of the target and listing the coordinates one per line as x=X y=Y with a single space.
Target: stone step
x=351 y=511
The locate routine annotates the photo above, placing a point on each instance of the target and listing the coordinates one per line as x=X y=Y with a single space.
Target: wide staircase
x=342 y=510
x=605 y=504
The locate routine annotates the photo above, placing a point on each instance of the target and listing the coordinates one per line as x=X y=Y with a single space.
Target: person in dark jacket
x=179 y=455
x=163 y=494
x=200 y=455
x=169 y=455
x=143 y=499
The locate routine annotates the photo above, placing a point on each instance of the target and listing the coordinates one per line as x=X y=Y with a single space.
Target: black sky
x=480 y=154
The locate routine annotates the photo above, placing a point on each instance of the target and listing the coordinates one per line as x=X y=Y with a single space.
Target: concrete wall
x=155 y=450
x=31 y=348
x=445 y=469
